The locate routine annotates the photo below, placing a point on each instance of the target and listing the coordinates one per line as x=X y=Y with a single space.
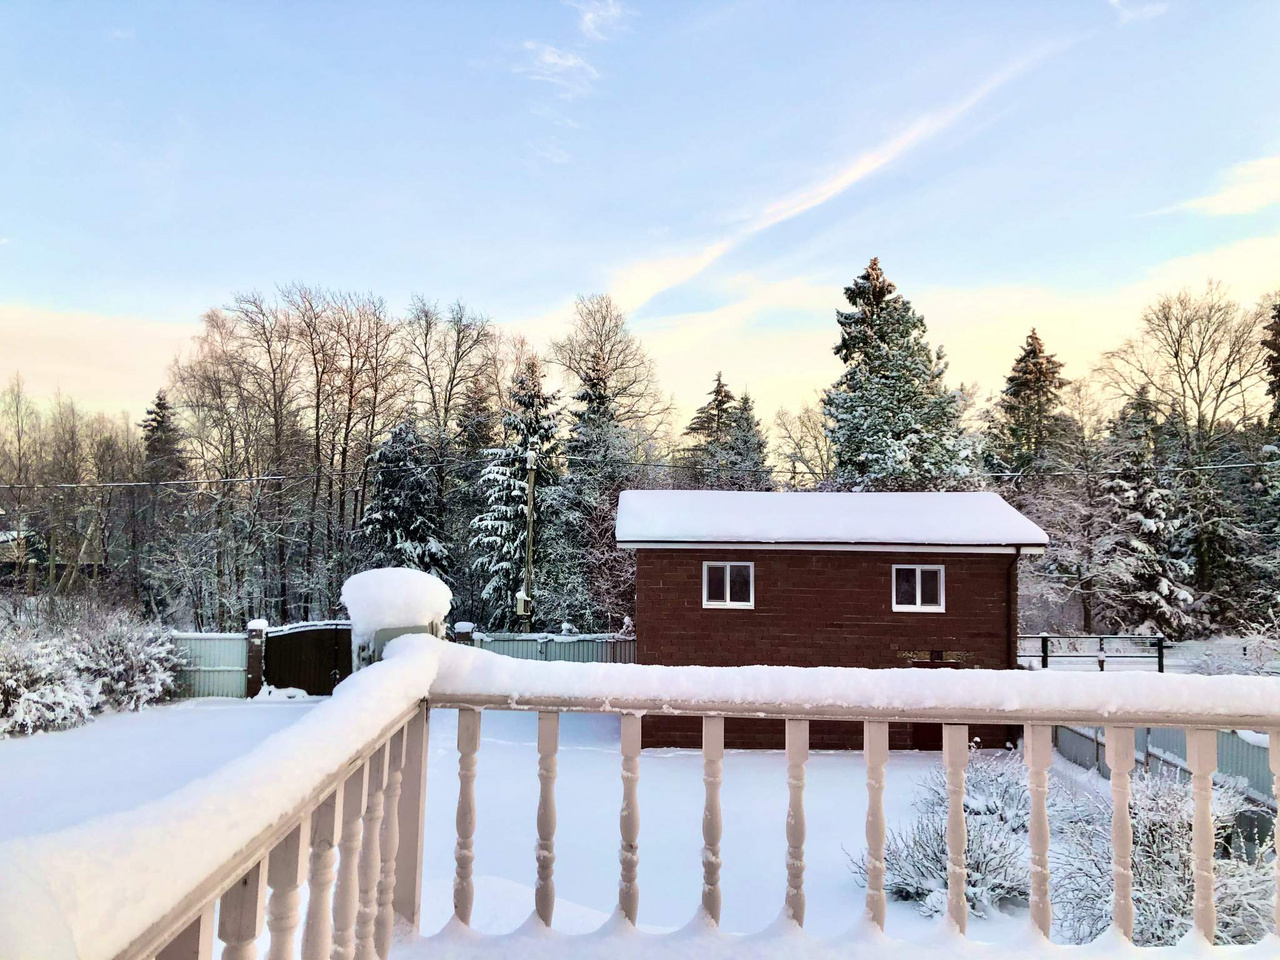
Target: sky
x=723 y=169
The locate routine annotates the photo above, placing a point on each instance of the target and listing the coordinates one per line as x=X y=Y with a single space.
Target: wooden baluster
x=240 y=915
x=955 y=756
x=193 y=943
x=385 y=921
x=407 y=897
x=712 y=822
x=346 y=897
x=464 y=852
x=544 y=895
x=285 y=871
x=875 y=749
x=1038 y=754
x=1274 y=753
x=1202 y=757
x=1120 y=760
x=326 y=827
x=629 y=818
x=370 y=864
x=797 y=756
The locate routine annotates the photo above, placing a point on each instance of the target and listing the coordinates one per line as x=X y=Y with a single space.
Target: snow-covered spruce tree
x=1028 y=413
x=892 y=422
x=741 y=460
x=707 y=433
x=1141 y=584
x=499 y=537
x=590 y=583
x=399 y=522
x=477 y=423
x=161 y=442
x=1271 y=346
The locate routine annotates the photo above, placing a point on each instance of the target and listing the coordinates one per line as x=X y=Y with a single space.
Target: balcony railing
x=356 y=836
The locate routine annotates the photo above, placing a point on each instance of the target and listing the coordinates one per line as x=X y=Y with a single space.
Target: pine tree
x=1141 y=583
x=591 y=583
x=707 y=433
x=1029 y=408
x=400 y=522
x=893 y=424
x=741 y=460
x=161 y=442
x=1271 y=345
x=477 y=423
x=500 y=531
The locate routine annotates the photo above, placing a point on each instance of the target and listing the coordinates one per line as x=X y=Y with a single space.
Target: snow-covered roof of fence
x=673 y=517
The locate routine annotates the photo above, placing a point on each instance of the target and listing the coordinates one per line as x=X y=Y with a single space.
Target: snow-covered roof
x=676 y=517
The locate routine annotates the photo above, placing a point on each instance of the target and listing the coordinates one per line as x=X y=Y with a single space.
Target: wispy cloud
x=1247 y=188
x=550 y=150
x=639 y=282
x=600 y=19
x=118 y=34
x=1131 y=13
x=4 y=241
x=568 y=72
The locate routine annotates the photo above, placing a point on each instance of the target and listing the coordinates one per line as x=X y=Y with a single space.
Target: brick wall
x=817 y=608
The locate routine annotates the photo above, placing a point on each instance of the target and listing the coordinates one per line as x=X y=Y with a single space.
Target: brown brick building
x=823 y=579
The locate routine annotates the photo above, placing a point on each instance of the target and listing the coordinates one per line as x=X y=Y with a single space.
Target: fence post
x=1102 y=655
x=462 y=636
x=1159 y=653
x=256 y=631
x=1044 y=651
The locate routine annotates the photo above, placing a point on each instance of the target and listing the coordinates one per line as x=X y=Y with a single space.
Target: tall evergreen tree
x=892 y=422
x=161 y=442
x=741 y=460
x=707 y=433
x=1141 y=584
x=1029 y=408
x=590 y=581
x=1271 y=346
x=500 y=531
x=400 y=522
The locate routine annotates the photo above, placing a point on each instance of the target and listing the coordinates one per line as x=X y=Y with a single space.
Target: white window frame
x=726 y=603
x=917 y=607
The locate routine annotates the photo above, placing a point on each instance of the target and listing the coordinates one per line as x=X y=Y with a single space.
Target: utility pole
x=525 y=604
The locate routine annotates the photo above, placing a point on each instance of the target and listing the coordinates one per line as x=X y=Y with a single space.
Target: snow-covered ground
x=120 y=760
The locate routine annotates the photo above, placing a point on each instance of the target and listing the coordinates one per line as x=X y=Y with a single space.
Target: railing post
x=193 y=943
x=370 y=864
x=1274 y=753
x=1044 y=651
x=464 y=853
x=797 y=756
x=406 y=900
x=875 y=747
x=544 y=895
x=1202 y=757
x=1038 y=753
x=1120 y=760
x=385 y=917
x=240 y=915
x=286 y=868
x=712 y=823
x=629 y=818
x=326 y=828
x=346 y=898
x=1159 y=653
x=1102 y=655
x=955 y=756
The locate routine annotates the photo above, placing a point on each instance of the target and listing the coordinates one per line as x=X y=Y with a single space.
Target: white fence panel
x=217 y=664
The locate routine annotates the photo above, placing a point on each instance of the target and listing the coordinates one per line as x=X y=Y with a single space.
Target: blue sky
x=723 y=169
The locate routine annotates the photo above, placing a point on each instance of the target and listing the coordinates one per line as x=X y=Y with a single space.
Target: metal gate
x=313 y=657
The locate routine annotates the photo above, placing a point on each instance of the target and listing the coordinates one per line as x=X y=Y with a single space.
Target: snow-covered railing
x=340 y=795
x=472 y=681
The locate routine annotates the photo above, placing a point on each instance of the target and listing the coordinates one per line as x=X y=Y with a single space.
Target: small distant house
x=823 y=579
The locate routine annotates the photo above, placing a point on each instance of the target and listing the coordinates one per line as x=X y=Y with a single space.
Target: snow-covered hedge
x=56 y=671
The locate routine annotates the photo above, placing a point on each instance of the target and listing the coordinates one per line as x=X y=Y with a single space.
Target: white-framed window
x=919 y=589
x=726 y=584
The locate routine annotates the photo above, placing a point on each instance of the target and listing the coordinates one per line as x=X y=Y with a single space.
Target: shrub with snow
x=1162 y=809
x=997 y=807
x=132 y=661
x=40 y=688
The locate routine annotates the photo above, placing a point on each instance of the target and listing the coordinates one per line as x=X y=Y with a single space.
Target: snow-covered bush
x=1161 y=809
x=997 y=809
x=1256 y=653
x=40 y=688
x=57 y=668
